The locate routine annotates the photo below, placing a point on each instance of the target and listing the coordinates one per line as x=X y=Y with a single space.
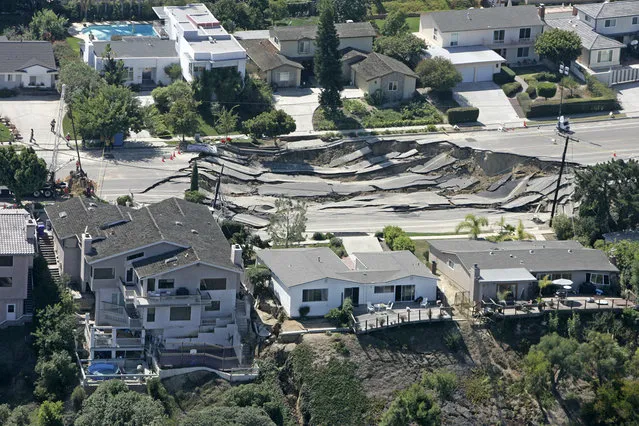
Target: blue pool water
x=104 y=32
x=102 y=369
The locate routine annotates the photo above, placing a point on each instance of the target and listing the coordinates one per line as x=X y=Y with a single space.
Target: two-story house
x=17 y=249
x=478 y=41
x=163 y=276
x=189 y=36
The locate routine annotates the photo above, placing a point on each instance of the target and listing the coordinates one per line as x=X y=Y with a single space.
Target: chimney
x=476 y=291
x=31 y=229
x=236 y=255
x=574 y=11
x=86 y=243
x=542 y=11
x=433 y=267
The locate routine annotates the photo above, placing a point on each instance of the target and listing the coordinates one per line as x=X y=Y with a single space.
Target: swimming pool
x=105 y=32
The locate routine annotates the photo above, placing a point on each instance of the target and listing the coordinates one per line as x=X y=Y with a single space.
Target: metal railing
x=129 y=290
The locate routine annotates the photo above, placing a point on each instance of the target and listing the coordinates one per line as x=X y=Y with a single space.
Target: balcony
x=129 y=290
x=171 y=298
x=120 y=316
x=113 y=337
x=508 y=41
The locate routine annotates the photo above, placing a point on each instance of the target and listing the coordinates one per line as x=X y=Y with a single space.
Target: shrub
x=511 y=89
x=509 y=72
x=374 y=99
x=339 y=251
x=598 y=89
x=318 y=236
x=390 y=233
x=336 y=242
x=194 y=196
x=562 y=225
x=442 y=381
x=413 y=405
x=453 y=340
x=531 y=91
x=77 y=397
x=547 y=76
x=504 y=77
x=431 y=128
x=463 y=115
x=379 y=234
x=341 y=316
x=571 y=106
x=478 y=388
x=403 y=242
x=546 y=89
x=304 y=310
x=123 y=199
x=355 y=107
x=524 y=101
x=8 y=93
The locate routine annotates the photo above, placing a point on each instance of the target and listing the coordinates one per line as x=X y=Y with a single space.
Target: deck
x=554 y=304
x=402 y=314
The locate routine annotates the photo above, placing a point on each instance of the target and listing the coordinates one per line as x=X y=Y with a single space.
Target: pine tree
x=195 y=184
x=328 y=68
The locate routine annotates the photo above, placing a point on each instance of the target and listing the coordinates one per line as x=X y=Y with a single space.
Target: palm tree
x=543 y=283
x=473 y=224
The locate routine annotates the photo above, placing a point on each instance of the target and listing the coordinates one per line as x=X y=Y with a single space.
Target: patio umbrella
x=562 y=282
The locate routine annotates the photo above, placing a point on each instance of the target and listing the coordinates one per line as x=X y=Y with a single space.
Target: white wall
x=594 y=63
x=139 y=64
x=623 y=26
x=18 y=291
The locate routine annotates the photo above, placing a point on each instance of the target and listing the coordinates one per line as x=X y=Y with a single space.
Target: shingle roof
x=138 y=47
x=17 y=55
x=590 y=40
x=535 y=256
x=377 y=65
x=13 y=232
x=610 y=10
x=346 y=30
x=118 y=229
x=489 y=18
x=299 y=266
x=265 y=55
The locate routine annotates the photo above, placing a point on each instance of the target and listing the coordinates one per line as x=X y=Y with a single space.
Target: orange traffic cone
x=525 y=124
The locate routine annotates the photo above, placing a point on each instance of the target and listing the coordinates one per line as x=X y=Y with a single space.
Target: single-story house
x=27 y=64
x=266 y=62
x=318 y=279
x=475 y=63
x=372 y=72
x=483 y=268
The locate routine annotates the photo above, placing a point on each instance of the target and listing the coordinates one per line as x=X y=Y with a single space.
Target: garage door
x=484 y=73
x=468 y=74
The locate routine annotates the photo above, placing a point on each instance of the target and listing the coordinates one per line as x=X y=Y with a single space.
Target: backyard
x=5 y=133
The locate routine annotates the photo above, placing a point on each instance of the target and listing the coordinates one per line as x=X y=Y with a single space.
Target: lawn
x=297 y=21
x=74 y=43
x=421 y=250
x=5 y=133
x=206 y=126
x=412 y=21
x=67 y=127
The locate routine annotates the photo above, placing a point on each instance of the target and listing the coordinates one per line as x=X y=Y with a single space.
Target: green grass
x=431 y=234
x=5 y=133
x=67 y=127
x=206 y=125
x=295 y=22
x=421 y=248
x=412 y=21
x=74 y=43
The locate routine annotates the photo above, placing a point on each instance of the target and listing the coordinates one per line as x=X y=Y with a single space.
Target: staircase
x=27 y=306
x=45 y=245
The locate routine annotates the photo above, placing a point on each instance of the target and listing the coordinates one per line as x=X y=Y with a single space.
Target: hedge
x=511 y=89
x=546 y=90
x=463 y=115
x=571 y=106
x=547 y=76
x=531 y=90
x=503 y=77
x=510 y=73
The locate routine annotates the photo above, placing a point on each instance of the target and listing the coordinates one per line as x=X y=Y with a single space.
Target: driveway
x=494 y=106
x=302 y=103
x=32 y=112
x=629 y=98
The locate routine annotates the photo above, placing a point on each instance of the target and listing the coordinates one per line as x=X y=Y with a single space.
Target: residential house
x=27 y=64
x=483 y=268
x=191 y=37
x=266 y=62
x=164 y=278
x=318 y=279
x=377 y=73
x=618 y=20
x=17 y=249
x=478 y=41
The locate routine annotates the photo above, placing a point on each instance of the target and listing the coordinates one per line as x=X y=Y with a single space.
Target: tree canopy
x=328 y=67
x=354 y=10
x=270 y=124
x=80 y=80
x=438 y=73
x=558 y=45
x=228 y=416
x=112 y=69
x=47 y=25
x=404 y=47
x=22 y=171
x=288 y=223
x=182 y=117
x=473 y=224
x=395 y=24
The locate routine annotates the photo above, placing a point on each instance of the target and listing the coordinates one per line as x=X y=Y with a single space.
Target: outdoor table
x=379 y=306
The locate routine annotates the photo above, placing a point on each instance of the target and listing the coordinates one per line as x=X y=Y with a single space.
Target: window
x=213 y=284
x=498 y=36
x=434 y=33
x=635 y=20
x=392 y=86
x=450 y=264
x=163 y=284
x=604 y=56
x=522 y=52
x=610 y=23
x=599 y=279
x=214 y=306
x=33 y=80
x=150 y=315
x=11 y=309
x=129 y=73
x=588 y=18
x=524 y=33
x=384 y=289
x=103 y=274
x=180 y=313
x=454 y=39
x=405 y=293
x=135 y=256
x=555 y=276
x=315 y=295
x=277 y=40
x=129 y=275
x=6 y=281
x=9 y=77
x=6 y=260
x=150 y=284
x=304 y=46
x=285 y=76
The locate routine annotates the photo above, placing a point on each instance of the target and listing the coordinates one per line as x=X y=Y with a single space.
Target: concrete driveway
x=629 y=98
x=32 y=112
x=302 y=103
x=494 y=106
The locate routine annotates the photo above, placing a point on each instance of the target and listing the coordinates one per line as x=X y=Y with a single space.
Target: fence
x=212 y=356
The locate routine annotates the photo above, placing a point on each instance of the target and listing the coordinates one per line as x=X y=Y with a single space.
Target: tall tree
x=558 y=45
x=195 y=178
x=80 y=79
x=395 y=24
x=174 y=71
x=351 y=10
x=328 y=67
x=183 y=117
x=288 y=223
x=404 y=47
x=473 y=225
x=46 y=25
x=602 y=358
x=22 y=172
x=225 y=120
x=112 y=70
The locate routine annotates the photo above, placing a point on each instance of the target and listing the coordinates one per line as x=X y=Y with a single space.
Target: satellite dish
x=634 y=42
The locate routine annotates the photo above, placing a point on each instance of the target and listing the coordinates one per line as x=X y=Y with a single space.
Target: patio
x=556 y=304
x=401 y=313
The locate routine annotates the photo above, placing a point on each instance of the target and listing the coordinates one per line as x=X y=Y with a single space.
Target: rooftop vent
x=194 y=231
x=62 y=215
x=569 y=250
x=170 y=260
x=91 y=208
x=511 y=255
x=178 y=223
x=531 y=251
x=492 y=253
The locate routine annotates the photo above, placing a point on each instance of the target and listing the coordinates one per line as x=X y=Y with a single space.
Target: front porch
x=401 y=313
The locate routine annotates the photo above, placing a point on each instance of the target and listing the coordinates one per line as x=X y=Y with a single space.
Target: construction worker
x=31 y=139
x=53 y=126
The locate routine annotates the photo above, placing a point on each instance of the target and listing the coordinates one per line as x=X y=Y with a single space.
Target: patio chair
x=424 y=303
x=370 y=308
x=389 y=307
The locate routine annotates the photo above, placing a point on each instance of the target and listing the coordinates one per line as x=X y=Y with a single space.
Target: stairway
x=27 y=307
x=45 y=245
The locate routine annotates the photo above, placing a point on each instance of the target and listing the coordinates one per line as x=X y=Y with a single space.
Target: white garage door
x=468 y=74
x=484 y=73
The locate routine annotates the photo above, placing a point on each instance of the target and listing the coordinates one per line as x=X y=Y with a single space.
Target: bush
x=463 y=115
x=431 y=128
x=123 y=199
x=194 y=196
x=341 y=316
x=8 y=93
x=509 y=72
x=453 y=340
x=546 y=89
x=598 y=89
x=77 y=397
x=318 y=236
x=403 y=242
x=442 y=381
x=571 y=106
x=531 y=91
x=390 y=233
x=504 y=77
x=336 y=242
x=524 y=101
x=547 y=76
x=562 y=225
x=304 y=310
x=355 y=107
x=374 y=99
x=511 y=89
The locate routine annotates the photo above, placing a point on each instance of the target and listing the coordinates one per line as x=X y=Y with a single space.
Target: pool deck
x=75 y=30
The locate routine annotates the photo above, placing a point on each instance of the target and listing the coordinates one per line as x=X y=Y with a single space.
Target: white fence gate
x=624 y=75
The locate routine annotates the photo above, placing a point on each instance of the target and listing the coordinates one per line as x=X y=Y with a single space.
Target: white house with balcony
x=190 y=36
x=478 y=41
x=165 y=280
x=319 y=280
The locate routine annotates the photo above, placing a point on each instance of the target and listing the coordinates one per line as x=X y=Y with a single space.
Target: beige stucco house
x=268 y=64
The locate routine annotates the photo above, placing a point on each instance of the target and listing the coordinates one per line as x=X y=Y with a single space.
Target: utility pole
x=561 y=172
x=75 y=136
x=217 y=187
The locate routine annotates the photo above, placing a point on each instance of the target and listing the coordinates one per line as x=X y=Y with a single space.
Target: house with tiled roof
x=17 y=249
x=27 y=64
x=164 y=278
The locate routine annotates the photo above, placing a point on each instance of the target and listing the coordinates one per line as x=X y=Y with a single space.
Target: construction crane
x=57 y=135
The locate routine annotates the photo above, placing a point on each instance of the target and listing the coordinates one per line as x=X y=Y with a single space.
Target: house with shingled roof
x=165 y=280
x=27 y=64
